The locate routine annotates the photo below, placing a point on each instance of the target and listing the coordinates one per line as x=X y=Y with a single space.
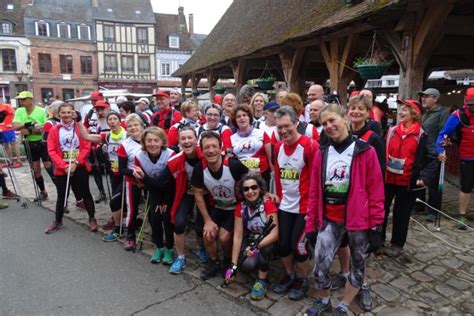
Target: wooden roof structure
x=316 y=40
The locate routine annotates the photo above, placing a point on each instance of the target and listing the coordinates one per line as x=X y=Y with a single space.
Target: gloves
x=78 y=116
x=375 y=239
x=230 y=273
x=29 y=125
x=312 y=238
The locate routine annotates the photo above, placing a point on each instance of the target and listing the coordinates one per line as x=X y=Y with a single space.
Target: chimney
x=182 y=20
x=191 y=24
x=95 y=3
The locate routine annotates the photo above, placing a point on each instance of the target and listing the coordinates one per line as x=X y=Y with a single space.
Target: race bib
x=114 y=166
x=73 y=154
x=395 y=165
x=252 y=164
x=289 y=174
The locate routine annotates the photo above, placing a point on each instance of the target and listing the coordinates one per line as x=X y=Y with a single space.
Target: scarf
x=68 y=126
x=117 y=136
x=245 y=134
x=413 y=129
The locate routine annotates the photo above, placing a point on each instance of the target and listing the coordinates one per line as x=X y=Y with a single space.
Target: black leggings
x=183 y=213
x=159 y=215
x=96 y=160
x=292 y=236
x=80 y=180
x=117 y=188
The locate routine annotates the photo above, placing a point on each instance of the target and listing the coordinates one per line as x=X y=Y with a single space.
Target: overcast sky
x=206 y=12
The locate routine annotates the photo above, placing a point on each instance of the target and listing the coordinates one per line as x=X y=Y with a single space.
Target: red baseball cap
x=102 y=104
x=413 y=104
x=96 y=95
x=469 y=98
x=161 y=94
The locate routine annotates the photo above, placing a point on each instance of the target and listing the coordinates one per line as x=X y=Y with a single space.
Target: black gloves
x=375 y=239
x=78 y=116
x=29 y=125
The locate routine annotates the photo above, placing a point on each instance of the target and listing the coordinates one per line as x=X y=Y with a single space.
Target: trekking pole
x=30 y=160
x=107 y=181
x=145 y=215
x=16 y=187
x=68 y=177
x=122 y=205
x=98 y=165
x=437 y=224
x=253 y=245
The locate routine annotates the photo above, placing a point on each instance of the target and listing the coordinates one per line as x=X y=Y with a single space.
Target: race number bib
x=73 y=154
x=291 y=174
x=114 y=166
x=253 y=164
x=395 y=165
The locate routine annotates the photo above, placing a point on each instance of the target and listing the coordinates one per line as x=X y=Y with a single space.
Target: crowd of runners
x=258 y=180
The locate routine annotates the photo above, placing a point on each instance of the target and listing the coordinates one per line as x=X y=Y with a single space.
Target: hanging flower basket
x=219 y=89
x=195 y=93
x=265 y=84
x=372 y=71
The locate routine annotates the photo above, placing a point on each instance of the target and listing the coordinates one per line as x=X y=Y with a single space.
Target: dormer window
x=173 y=41
x=137 y=12
x=110 y=10
x=6 y=28
x=84 y=32
x=42 y=28
x=10 y=6
x=64 y=30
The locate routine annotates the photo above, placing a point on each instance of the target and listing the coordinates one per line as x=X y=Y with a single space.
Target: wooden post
x=194 y=84
x=184 y=83
x=211 y=82
x=291 y=60
x=238 y=70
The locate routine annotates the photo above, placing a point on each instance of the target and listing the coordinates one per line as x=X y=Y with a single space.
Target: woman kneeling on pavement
x=346 y=197
x=69 y=152
x=251 y=218
x=149 y=164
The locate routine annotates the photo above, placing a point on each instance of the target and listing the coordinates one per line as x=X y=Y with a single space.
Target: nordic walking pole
x=122 y=205
x=441 y=183
x=107 y=181
x=147 y=209
x=30 y=160
x=16 y=187
x=68 y=178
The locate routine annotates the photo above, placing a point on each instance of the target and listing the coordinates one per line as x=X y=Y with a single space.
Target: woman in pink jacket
x=68 y=152
x=346 y=197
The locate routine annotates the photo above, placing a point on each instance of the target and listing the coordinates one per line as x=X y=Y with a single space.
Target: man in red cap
x=96 y=123
x=165 y=116
x=461 y=122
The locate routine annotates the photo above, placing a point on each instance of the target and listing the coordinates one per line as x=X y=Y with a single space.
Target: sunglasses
x=254 y=187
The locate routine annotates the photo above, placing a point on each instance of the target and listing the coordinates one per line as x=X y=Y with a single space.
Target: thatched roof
x=251 y=25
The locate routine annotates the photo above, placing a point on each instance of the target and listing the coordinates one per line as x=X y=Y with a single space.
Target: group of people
x=322 y=174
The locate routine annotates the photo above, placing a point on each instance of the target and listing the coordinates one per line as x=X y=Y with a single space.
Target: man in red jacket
x=166 y=116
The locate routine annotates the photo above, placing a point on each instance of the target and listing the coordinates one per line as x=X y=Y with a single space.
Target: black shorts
x=222 y=218
x=466 y=177
x=36 y=151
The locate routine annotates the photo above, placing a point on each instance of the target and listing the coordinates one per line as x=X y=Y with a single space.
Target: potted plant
x=265 y=83
x=372 y=67
x=218 y=89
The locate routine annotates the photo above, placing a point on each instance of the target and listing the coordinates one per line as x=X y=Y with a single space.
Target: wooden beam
x=325 y=53
x=291 y=60
x=184 y=83
x=395 y=44
x=238 y=70
x=346 y=53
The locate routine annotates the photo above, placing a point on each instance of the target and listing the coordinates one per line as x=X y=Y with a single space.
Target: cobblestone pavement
x=430 y=278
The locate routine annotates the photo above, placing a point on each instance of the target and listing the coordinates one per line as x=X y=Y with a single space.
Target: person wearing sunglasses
x=213 y=114
x=250 y=218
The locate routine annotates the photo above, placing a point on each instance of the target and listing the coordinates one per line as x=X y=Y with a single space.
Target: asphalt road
x=73 y=272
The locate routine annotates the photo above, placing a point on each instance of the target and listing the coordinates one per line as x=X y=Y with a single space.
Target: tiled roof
x=131 y=11
x=14 y=16
x=61 y=10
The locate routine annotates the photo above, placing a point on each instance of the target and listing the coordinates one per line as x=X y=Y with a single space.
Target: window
x=173 y=41
x=42 y=28
x=127 y=63
x=46 y=93
x=390 y=82
x=110 y=63
x=83 y=31
x=142 y=35
x=6 y=28
x=86 y=65
x=65 y=64
x=10 y=6
x=44 y=62
x=64 y=30
x=109 y=34
x=8 y=60
x=374 y=83
x=68 y=94
x=165 y=69
x=144 y=64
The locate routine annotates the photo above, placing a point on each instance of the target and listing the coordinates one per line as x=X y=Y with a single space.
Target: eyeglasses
x=254 y=187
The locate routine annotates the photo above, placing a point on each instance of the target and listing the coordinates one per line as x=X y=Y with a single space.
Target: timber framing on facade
x=315 y=40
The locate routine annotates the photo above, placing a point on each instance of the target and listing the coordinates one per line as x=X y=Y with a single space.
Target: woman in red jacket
x=68 y=152
x=411 y=163
x=345 y=197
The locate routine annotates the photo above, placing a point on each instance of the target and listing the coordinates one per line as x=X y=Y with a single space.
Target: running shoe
x=318 y=308
x=80 y=204
x=365 y=299
x=110 y=236
x=178 y=265
x=284 y=285
x=202 y=255
x=129 y=244
x=393 y=251
x=9 y=195
x=338 y=281
x=298 y=289
x=43 y=196
x=463 y=222
x=110 y=224
x=211 y=270
x=339 y=311
x=17 y=164
x=167 y=257
x=258 y=290
x=93 y=225
x=100 y=198
x=54 y=227
x=157 y=255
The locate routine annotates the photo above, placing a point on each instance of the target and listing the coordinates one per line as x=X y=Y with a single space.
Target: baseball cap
x=430 y=91
x=142 y=100
x=271 y=106
x=411 y=103
x=161 y=94
x=121 y=99
x=469 y=98
x=25 y=95
x=96 y=95
x=102 y=104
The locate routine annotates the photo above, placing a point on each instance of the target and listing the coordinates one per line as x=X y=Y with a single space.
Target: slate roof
x=250 y=25
x=14 y=16
x=61 y=10
x=124 y=11
x=166 y=24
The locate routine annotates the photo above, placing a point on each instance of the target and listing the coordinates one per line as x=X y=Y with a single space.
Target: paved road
x=73 y=272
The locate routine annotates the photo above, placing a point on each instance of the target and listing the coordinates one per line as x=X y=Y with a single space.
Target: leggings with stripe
x=159 y=216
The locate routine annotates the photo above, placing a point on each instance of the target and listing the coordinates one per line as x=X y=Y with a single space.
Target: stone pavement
x=430 y=278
